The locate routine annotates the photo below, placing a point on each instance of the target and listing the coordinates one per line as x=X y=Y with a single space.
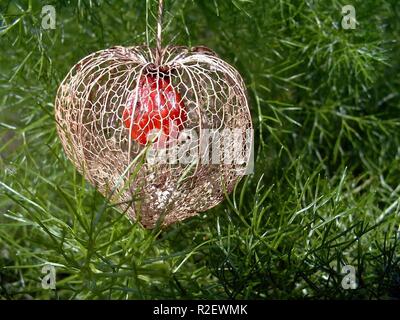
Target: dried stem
x=159 y=31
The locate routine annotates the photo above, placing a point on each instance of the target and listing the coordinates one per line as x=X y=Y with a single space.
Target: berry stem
x=159 y=30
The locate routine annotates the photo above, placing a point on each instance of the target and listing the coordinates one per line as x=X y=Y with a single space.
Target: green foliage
x=325 y=193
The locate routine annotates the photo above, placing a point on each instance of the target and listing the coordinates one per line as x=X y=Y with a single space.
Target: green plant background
x=325 y=193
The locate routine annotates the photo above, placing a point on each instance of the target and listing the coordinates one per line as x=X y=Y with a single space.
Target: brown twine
x=159 y=31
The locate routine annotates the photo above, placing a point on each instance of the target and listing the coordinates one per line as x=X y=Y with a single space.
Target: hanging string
x=159 y=30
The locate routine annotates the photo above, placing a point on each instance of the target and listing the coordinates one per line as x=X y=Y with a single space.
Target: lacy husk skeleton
x=90 y=106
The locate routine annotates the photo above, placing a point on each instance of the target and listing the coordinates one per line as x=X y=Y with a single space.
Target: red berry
x=158 y=106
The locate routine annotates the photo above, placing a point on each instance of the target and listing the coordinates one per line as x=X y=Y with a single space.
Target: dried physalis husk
x=162 y=142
